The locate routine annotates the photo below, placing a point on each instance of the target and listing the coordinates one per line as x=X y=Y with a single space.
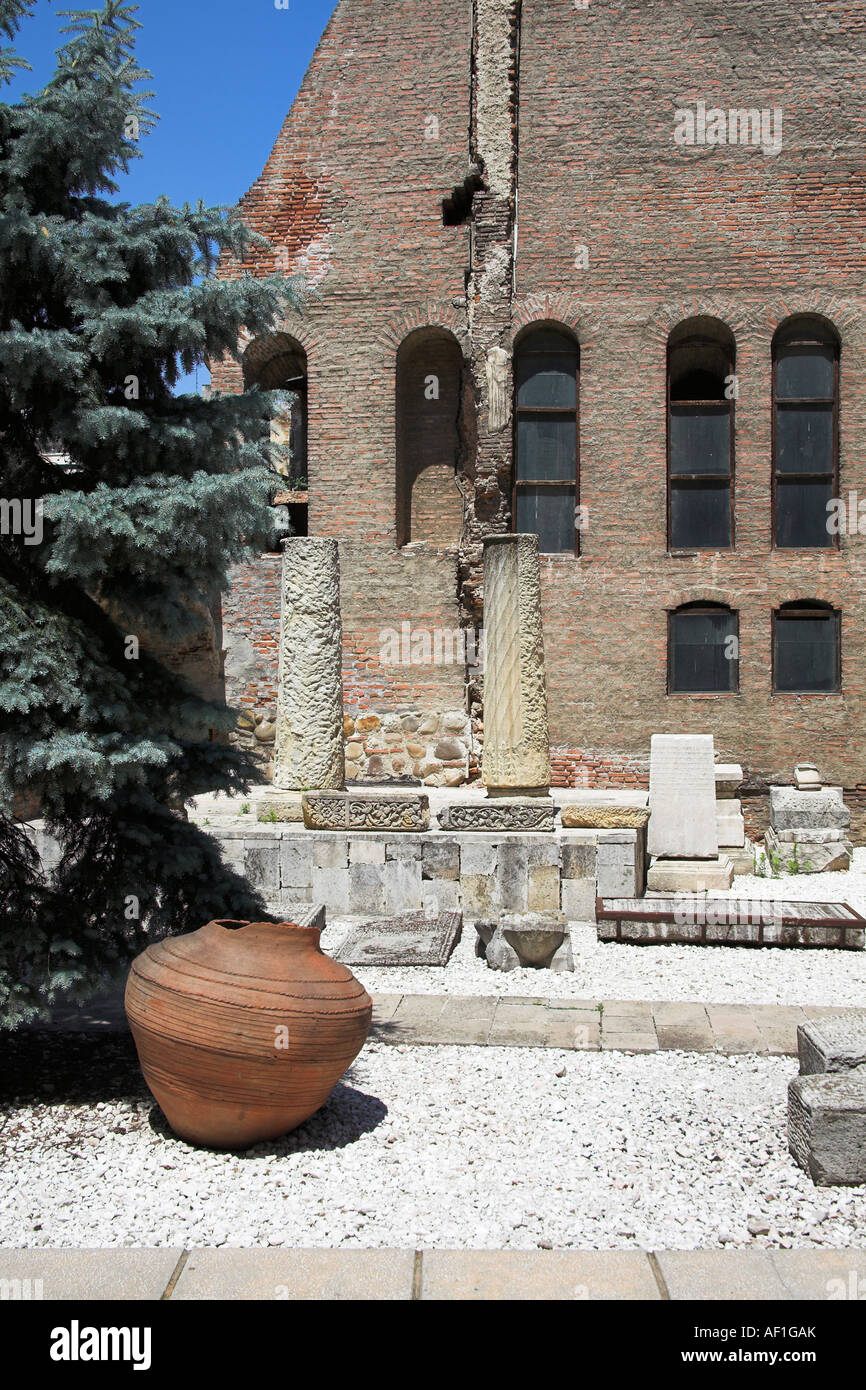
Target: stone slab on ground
x=297 y=1275
x=827 y=1127
x=410 y=939
x=499 y=813
x=306 y=914
x=832 y=1044
x=494 y=1275
x=682 y=797
x=103 y=1275
x=366 y=811
x=690 y=875
x=808 y=851
x=280 y=807
x=706 y=921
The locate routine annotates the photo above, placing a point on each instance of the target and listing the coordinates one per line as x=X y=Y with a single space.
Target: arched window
x=701 y=354
x=546 y=474
x=703 y=649
x=806 y=648
x=278 y=363
x=429 y=505
x=805 y=431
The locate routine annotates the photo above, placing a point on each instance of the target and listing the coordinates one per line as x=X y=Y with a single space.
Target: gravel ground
x=443 y=1147
x=712 y=975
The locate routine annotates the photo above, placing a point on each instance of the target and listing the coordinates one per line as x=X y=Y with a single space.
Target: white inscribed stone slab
x=682 y=797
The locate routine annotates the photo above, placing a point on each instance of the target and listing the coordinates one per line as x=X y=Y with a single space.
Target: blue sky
x=225 y=72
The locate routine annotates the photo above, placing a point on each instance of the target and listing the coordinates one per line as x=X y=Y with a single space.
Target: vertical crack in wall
x=490 y=288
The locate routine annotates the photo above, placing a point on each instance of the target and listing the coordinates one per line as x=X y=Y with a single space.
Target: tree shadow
x=68 y=1068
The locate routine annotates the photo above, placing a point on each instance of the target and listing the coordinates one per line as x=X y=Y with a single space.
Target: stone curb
x=292 y=1275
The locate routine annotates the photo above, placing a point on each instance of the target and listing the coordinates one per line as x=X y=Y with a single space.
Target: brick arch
x=433 y=314
x=842 y=314
x=565 y=309
x=257 y=352
x=666 y=317
x=814 y=592
x=704 y=594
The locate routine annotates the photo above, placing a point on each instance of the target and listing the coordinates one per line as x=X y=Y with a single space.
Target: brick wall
x=351 y=196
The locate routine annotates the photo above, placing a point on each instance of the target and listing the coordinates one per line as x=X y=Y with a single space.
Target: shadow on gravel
x=345 y=1117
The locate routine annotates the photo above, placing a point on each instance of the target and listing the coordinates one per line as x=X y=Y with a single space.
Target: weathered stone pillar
x=309 y=744
x=516 y=735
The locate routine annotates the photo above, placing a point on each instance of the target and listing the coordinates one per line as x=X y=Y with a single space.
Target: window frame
x=538 y=412
x=687 y=608
x=691 y=479
x=791 y=612
x=800 y=341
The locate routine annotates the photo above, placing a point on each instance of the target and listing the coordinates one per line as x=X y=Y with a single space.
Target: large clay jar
x=243 y=1029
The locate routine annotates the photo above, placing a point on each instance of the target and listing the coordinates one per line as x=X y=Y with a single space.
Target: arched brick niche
x=428 y=411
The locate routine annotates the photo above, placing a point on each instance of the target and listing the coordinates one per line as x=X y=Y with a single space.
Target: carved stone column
x=309 y=742
x=516 y=735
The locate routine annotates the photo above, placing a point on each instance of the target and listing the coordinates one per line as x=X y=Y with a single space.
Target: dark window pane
x=806 y=373
x=700 y=439
x=547 y=380
x=806 y=656
x=546 y=447
x=700 y=516
x=804 y=439
x=700 y=659
x=801 y=513
x=547 y=340
x=549 y=512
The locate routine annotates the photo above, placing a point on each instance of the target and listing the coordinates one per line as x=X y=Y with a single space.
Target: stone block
x=408 y=939
x=304 y=914
x=479 y=856
x=366 y=851
x=330 y=852
x=440 y=859
x=578 y=859
x=730 y=824
x=832 y=1044
x=587 y=817
x=366 y=888
x=296 y=864
x=331 y=887
x=481 y=897
x=815 y=810
x=807 y=778
x=578 y=899
x=534 y=937
x=682 y=797
x=512 y=875
x=440 y=895
x=729 y=777
x=401 y=882
x=812 y=856
x=620 y=864
x=281 y=806
x=827 y=1126
x=542 y=889
x=403 y=847
x=262 y=866
x=366 y=811
x=688 y=875
x=528 y=814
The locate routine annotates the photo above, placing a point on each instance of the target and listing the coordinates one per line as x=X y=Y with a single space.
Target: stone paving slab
x=610 y=1024
x=89 y=1274
x=537 y=1274
x=288 y=1275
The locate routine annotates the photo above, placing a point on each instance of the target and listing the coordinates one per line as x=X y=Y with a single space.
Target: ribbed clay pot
x=243 y=1029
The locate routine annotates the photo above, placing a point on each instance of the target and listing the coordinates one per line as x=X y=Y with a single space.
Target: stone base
x=832 y=1044
x=743 y=859
x=280 y=806
x=730 y=825
x=499 y=814
x=813 y=851
x=814 y=810
x=827 y=1127
x=366 y=811
x=690 y=875
x=538 y=941
x=729 y=776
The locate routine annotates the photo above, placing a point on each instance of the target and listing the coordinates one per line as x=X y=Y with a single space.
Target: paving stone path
x=289 y=1275
x=611 y=1024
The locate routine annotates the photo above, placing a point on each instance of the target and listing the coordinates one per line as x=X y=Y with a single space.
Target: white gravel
x=707 y=974
x=447 y=1147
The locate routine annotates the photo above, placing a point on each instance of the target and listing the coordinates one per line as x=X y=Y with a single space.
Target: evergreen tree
x=146 y=498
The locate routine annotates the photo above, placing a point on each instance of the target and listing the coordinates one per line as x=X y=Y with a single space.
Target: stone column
x=516 y=736
x=309 y=743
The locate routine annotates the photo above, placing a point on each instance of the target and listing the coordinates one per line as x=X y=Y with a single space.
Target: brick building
x=595 y=270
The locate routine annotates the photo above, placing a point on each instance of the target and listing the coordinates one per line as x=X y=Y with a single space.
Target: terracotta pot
x=243 y=1029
